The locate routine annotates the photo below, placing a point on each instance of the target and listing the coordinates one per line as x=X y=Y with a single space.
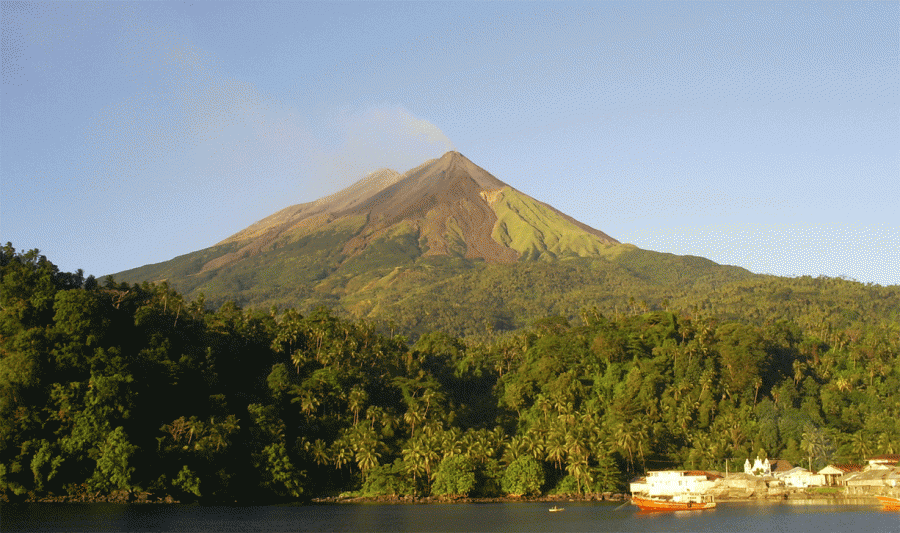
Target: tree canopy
x=108 y=386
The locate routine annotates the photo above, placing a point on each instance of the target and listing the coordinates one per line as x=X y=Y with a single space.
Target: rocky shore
x=742 y=487
x=121 y=496
x=553 y=498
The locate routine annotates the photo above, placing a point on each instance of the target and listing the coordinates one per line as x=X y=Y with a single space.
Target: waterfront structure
x=670 y=483
x=834 y=473
x=799 y=477
x=872 y=480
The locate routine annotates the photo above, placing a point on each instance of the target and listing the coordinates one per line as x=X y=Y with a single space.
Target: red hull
x=889 y=504
x=651 y=504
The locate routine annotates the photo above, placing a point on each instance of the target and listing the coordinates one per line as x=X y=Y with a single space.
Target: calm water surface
x=604 y=517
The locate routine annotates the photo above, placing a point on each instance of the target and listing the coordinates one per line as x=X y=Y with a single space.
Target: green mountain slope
x=449 y=246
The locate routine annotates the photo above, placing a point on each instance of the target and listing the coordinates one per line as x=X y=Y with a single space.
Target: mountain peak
x=449 y=205
x=453 y=155
x=454 y=166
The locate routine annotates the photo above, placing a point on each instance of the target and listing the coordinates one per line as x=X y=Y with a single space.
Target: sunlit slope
x=471 y=297
x=537 y=231
x=295 y=258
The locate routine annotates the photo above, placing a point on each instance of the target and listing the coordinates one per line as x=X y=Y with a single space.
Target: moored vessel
x=678 y=503
x=889 y=503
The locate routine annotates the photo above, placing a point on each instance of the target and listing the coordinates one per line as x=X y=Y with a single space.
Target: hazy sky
x=765 y=135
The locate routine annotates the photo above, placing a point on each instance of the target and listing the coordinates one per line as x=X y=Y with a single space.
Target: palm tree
x=340 y=454
x=515 y=448
x=373 y=413
x=430 y=456
x=575 y=447
x=412 y=417
x=309 y=402
x=451 y=443
x=543 y=404
x=814 y=443
x=579 y=469
x=624 y=439
x=533 y=444
x=367 y=456
x=886 y=444
x=413 y=459
x=487 y=445
x=860 y=443
x=320 y=452
x=641 y=434
x=290 y=337
x=355 y=400
x=556 y=450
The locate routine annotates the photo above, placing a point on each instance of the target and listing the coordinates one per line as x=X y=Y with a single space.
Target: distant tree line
x=106 y=386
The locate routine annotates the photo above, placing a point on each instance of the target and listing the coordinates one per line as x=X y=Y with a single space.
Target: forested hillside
x=108 y=386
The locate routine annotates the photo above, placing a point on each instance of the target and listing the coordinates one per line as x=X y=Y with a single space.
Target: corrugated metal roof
x=886 y=457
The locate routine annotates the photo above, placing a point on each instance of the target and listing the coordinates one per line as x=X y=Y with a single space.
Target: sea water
x=794 y=517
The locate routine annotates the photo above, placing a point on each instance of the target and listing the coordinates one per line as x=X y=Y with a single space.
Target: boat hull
x=888 y=503
x=652 y=504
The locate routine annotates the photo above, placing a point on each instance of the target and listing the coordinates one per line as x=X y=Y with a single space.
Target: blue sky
x=765 y=135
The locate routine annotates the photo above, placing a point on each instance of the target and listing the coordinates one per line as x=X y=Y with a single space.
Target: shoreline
x=610 y=498
x=549 y=498
x=126 y=497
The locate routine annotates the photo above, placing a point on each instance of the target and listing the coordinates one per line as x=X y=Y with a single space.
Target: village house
x=672 y=482
x=800 y=477
x=885 y=461
x=834 y=474
x=872 y=481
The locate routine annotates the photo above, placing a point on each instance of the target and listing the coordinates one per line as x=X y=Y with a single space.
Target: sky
x=764 y=135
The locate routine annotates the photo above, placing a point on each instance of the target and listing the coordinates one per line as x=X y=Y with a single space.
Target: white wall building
x=673 y=482
x=759 y=468
x=801 y=478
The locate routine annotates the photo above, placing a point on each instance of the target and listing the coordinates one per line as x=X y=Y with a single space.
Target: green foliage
x=388 y=480
x=523 y=477
x=120 y=387
x=280 y=474
x=187 y=481
x=113 y=470
x=567 y=485
x=455 y=476
x=607 y=476
x=45 y=464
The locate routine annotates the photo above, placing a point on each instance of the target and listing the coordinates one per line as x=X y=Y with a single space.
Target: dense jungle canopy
x=106 y=386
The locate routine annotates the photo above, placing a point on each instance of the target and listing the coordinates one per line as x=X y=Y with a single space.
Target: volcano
x=443 y=242
x=455 y=207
